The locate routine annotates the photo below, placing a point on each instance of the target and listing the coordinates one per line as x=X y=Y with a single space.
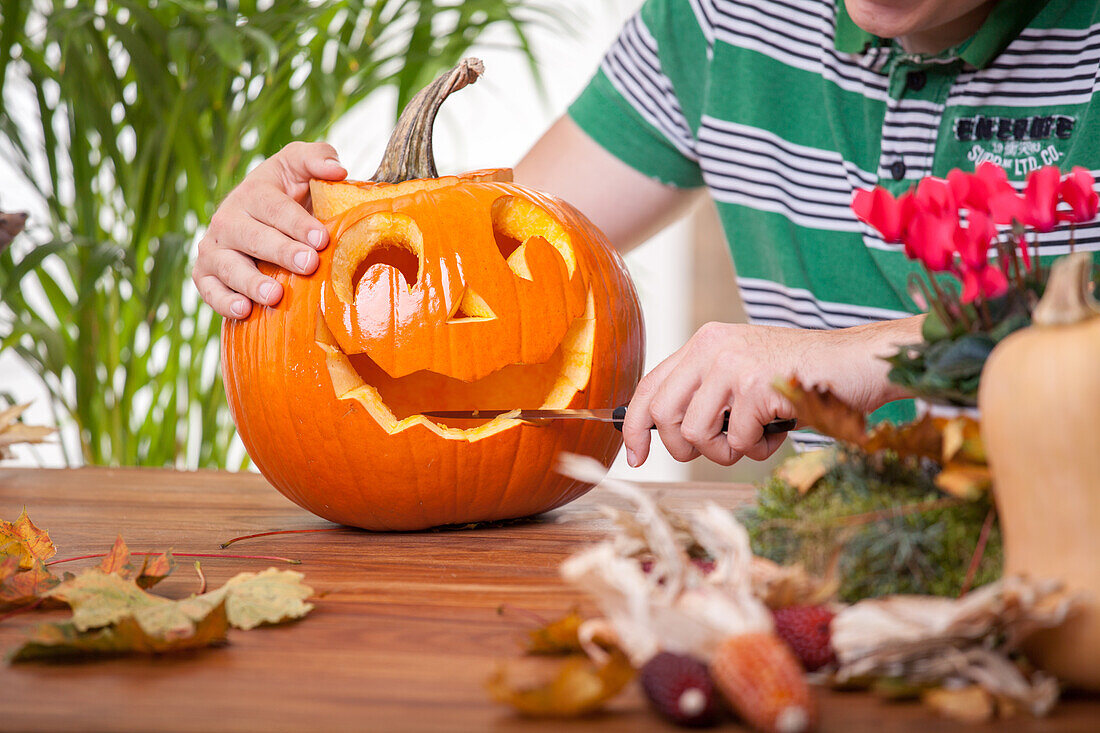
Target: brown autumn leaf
x=804 y=470
x=556 y=637
x=954 y=443
x=127 y=636
x=970 y=704
x=962 y=440
x=12 y=431
x=579 y=688
x=24 y=541
x=153 y=568
x=23 y=587
x=919 y=439
x=964 y=480
x=819 y=408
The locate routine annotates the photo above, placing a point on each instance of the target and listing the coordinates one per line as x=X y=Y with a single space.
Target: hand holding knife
x=608 y=415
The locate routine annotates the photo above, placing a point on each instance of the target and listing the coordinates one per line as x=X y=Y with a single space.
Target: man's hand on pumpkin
x=731 y=368
x=264 y=218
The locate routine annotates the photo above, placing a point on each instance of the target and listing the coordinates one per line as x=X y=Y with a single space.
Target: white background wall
x=489 y=125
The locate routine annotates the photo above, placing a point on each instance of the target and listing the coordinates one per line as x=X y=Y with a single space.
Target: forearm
x=627 y=206
x=861 y=351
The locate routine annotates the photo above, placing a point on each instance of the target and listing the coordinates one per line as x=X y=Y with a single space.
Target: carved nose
x=471 y=307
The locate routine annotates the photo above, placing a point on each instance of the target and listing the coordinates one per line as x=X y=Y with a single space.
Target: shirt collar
x=1005 y=21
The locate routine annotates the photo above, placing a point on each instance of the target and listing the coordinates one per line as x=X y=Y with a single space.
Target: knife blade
x=608 y=415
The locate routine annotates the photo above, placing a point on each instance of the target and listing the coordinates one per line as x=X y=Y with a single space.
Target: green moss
x=902 y=551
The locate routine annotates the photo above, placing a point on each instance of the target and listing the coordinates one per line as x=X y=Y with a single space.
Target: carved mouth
x=397 y=404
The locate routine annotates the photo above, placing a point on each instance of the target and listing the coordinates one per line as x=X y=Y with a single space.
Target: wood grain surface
x=406 y=630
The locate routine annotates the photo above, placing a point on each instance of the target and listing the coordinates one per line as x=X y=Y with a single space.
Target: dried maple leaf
x=65 y=640
x=12 y=431
x=153 y=568
x=24 y=541
x=969 y=704
x=101 y=599
x=23 y=587
x=804 y=470
x=964 y=480
x=779 y=586
x=919 y=439
x=954 y=443
x=270 y=597
x=556 y=637
x=962 y=440
x=819 y=408
x=579 y=688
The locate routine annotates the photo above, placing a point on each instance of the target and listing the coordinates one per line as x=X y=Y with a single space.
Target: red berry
x=680 y=688
x=806 y=631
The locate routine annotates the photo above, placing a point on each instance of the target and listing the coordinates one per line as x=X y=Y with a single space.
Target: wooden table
x=403 y=639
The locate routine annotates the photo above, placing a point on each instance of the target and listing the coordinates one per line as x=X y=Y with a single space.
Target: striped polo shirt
x=782 y=108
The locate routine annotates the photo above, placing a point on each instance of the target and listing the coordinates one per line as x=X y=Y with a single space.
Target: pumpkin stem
x=409 y=153
x=1066 y=299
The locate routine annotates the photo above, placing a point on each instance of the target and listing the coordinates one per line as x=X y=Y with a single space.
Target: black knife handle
x=775 y=426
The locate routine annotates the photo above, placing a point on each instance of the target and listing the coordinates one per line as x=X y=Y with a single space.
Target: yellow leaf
x=24 y=541
x=964 y=480
x=804 y=470
x=556 y=637
x=969 y=704
x=579 y=688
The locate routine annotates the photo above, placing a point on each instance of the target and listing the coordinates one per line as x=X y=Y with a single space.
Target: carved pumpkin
x=1038 y=396
x=437 y=293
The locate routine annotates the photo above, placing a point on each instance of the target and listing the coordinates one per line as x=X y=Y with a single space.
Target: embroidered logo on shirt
x=1017 y=144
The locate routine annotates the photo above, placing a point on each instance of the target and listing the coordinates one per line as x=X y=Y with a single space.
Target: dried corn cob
x=762 y=680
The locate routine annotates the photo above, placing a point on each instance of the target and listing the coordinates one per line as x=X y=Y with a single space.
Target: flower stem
x=979 y=552
x=22 y=609
x=271 y=558
x=280 y=531
x=943 y=304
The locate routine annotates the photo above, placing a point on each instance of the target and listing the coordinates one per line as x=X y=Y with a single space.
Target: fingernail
x=302 y=260
x=265 y=290
x=631 y=459
x=238 y=308
x=333 y=161
x=314 y=238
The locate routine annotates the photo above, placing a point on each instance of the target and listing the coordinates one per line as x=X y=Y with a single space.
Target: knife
x=614 y=416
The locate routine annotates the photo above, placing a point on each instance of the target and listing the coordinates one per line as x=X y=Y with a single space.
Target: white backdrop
x=489 y=125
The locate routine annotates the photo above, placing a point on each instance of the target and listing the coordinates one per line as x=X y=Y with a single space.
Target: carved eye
x=517 y=222
x=383 y=239
x=391 y=254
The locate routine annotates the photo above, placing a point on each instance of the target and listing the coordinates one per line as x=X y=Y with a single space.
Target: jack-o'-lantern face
x=455 y=293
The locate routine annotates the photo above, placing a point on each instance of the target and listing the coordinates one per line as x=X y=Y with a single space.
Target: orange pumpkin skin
x=332 y=457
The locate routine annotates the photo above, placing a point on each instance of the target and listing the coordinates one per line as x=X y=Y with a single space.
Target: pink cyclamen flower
x=987 y=281
x=1041 y=198
x=972 y=241
x=982 y=188
x=878 y=208
x=931 y=238
x=1078 y=190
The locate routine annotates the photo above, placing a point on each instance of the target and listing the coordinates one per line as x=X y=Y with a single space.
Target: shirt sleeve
x=634 y=105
